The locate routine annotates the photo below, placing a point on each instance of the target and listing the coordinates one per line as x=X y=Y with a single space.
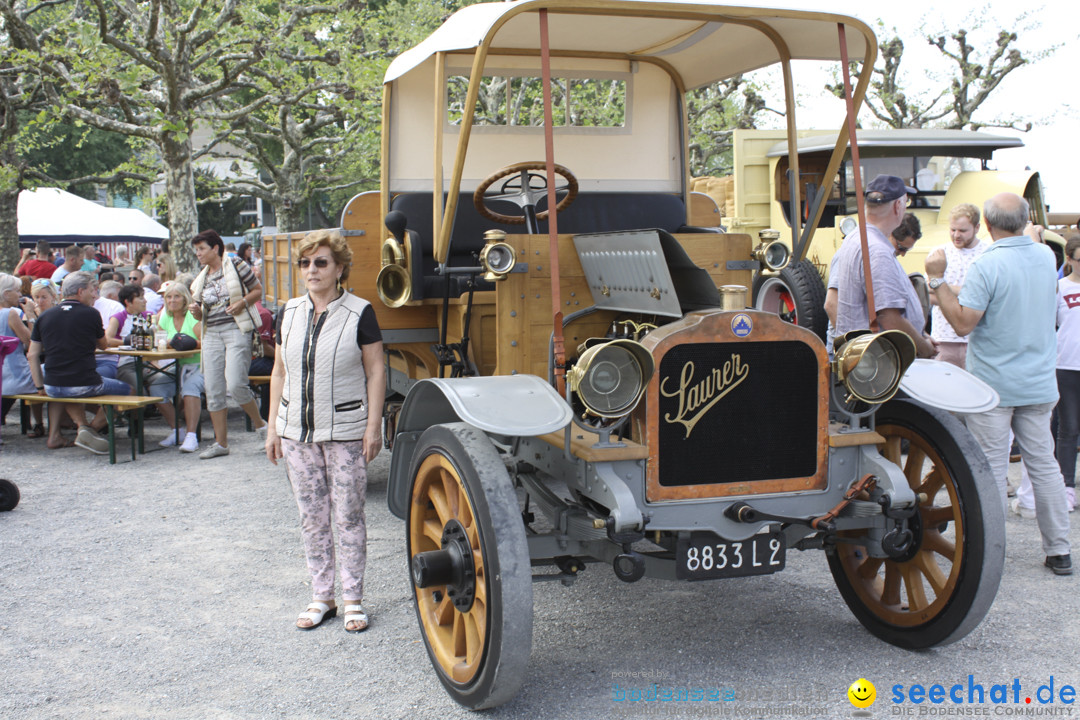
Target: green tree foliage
x=36 y=147
x=713 y=112
x=316 y=138
x=146 y=70
x=58 y=152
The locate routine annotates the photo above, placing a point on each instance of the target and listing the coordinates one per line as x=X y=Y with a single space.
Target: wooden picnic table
x=144 y=360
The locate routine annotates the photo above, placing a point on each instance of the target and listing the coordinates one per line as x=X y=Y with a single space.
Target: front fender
x=515 y=405
x=941 y=385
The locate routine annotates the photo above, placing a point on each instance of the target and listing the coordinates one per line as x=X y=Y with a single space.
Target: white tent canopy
x=62 y=218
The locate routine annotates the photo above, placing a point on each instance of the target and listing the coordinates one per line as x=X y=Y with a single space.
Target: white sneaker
x=1024 y=512
x=213 y=451
x=170 y=439
x=1070 y=498
x=89 y=439
x=191 y=443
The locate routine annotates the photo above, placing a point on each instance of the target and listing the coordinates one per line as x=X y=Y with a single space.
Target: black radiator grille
x=737 y=412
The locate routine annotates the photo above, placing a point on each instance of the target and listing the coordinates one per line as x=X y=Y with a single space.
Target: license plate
x=704 y=555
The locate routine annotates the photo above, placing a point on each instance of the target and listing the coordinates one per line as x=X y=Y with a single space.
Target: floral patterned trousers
x=330 y=478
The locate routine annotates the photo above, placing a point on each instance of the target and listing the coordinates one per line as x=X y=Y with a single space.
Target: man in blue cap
x=895 y=302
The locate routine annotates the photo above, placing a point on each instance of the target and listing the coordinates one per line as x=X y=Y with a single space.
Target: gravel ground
x=168 y=588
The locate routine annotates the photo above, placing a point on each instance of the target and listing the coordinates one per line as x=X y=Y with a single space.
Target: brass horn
x=394 y=283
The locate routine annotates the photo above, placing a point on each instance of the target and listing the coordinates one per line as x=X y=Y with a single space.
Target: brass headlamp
x=610 y=377
x=870 y=365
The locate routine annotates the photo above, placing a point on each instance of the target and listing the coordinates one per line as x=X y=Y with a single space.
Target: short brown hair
x=328 y=238
x=1072 y=245
x=966 y=210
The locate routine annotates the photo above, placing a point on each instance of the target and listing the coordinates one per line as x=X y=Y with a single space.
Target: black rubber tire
x=464 y=456
x=973 y=513
x=797 y=295
x=9 y=495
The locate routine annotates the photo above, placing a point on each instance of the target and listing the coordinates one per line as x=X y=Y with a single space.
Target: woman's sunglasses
x=320 y=262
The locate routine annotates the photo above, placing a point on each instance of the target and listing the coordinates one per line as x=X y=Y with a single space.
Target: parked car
x=946 y=167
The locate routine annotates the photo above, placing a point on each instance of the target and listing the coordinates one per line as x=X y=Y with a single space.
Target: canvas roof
x=62 y=218
x=703 y=42
x=908 y=142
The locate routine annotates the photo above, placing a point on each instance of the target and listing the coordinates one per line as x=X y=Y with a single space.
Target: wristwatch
x=935 y=283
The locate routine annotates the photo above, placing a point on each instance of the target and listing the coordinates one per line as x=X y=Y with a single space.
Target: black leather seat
x=589 y=213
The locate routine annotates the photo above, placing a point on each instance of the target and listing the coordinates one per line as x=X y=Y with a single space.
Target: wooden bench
x=111 y=403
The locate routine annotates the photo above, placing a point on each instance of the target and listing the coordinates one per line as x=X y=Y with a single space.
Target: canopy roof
x=702 y=42
x=62 y=218
x=909 y=142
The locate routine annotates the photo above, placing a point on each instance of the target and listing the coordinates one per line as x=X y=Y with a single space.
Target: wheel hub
x=451 y=566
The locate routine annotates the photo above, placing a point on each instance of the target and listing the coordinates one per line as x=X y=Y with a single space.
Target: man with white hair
x=69 y=334
x=154 y=302
x=1008 y=306
x=107 y=305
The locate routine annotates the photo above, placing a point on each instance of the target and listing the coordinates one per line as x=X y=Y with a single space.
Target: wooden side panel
x=714 y=252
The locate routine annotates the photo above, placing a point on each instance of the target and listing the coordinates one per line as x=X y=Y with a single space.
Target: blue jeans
x=108 y=386
x=106 y=366
x=1068 y=430
x=262 y=366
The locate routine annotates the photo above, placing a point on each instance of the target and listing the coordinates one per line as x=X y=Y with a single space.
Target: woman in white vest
x=225 y=293
x=326 y=397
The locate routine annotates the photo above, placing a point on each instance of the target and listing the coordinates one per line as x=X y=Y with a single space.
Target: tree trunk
x=9 y=228
x=180 y=195
x=288 y=213
x=10 y=182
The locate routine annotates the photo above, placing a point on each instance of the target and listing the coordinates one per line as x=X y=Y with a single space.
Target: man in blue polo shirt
x=1008 y=306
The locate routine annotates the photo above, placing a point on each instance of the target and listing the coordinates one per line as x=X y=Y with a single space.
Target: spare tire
x=797 y=295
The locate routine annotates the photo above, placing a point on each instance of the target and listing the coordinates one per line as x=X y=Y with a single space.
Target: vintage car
x=946 y=167
x=589 y=385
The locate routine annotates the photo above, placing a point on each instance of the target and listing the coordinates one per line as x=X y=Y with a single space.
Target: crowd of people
x=96 y=301
x=66 y=310
x=1000 y=311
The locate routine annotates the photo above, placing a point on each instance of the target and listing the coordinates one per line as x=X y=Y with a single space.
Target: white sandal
x=356 y=614
x=316 y=612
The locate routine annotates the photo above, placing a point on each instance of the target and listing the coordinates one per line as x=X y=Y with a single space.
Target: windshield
x=929 y=175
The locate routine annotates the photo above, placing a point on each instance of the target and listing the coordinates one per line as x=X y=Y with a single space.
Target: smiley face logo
x=862 y=693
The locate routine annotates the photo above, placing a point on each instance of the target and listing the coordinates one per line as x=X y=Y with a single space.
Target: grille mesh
x=762 y=420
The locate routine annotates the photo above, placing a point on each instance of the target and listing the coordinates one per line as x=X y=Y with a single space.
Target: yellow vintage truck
x=589 y=385
x=946 y=167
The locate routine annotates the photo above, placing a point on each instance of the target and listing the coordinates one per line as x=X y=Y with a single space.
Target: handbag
x=256 y=345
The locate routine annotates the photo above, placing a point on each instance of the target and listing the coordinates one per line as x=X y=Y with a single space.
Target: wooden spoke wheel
x=939 y=590
x=472 y=580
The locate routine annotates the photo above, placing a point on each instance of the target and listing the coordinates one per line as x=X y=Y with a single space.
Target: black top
x=68 y=334
x=367 y=328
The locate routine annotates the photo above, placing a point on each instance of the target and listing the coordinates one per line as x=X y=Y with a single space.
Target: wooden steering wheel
x=524 y=190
